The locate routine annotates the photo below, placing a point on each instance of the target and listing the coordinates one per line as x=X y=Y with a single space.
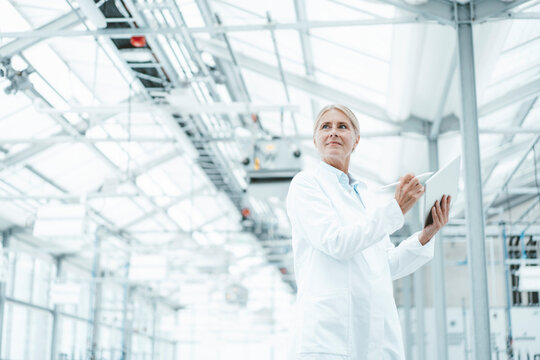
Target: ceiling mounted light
x=138 y=41
x=92 y=13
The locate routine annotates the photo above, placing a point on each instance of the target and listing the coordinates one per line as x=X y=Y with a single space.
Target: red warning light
x=245 y=212
x=254 y=117
x=138 y=41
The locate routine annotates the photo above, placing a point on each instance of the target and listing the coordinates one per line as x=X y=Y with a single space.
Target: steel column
x=418 y=280
x=407 y=333
x=95 y=297
x=438 y=283
x=126 y=319
x=5 y=244
x=154 y=325
x=56 y=309
x=473 y=186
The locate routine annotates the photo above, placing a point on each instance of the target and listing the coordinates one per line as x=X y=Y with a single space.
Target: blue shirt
x=348 y=182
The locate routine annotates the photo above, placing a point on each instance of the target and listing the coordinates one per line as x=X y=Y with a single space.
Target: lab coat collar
x=344 y=179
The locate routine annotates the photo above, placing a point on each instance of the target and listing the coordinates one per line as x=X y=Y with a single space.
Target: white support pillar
x=95 y=296
x=419 y=306
x=418 y=279
x=154 y=324
x=127 y=318
x=438 y=283
x=5 y=244
x=407 y=333
x=473 y=186
x=56 y=309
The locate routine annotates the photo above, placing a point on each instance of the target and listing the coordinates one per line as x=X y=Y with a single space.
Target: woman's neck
x=340 y=164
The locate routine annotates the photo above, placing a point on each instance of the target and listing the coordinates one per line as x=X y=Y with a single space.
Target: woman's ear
x=356 y=142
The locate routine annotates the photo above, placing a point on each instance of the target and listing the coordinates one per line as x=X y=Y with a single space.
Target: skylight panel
x=280 y=10
x=186 y=175
x=254 y=44
x=57 y=73
x=259 y=45
x=270 y=90
x=165 y=183
x=37 y=14
x=190 y=12
x=369 y=73
x=119 y=210
x=490 y=140
x=72 y=166
x=10 y=20
x=533 y=119
x=374 y=97
x=322 y=10
x=231 y=13
x=187 y=215
x=47 y=92
x=500 y=118
x=29 y=183
x=26 y=124
x=93 y=67
x=500 y=90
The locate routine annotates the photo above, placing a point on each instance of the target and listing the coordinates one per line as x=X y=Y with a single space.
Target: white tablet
x=443 y=182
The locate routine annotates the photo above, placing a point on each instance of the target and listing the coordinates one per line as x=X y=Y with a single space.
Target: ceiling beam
x=303 y=83
x=522 y=93
x=440 y=11
x=62 y=23
x=485 y=9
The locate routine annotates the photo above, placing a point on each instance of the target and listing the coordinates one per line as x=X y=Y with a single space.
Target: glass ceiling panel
x=118 y=210
x=368 y=74
x=57 y=73
x=246 y=11
x=72 y=166
x=152 y=225
x=259 y=45
x=502 y=117
x=488 y=141
x=251 y=43
x=534 y=115
x=191 y=13
x=187 y=215
x=29 y=183
x=92 y=66
x=19 y=120
x=37 y=13
x=186 y=174
x=267 y=90
x=322 y=10
x=10 y=20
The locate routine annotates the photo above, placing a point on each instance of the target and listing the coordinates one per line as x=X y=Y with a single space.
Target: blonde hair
x=345 y=110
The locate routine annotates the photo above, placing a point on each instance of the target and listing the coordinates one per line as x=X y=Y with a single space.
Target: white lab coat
x=344 y=265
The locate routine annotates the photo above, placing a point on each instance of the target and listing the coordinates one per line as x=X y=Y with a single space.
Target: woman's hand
x=408 y=192
x=439 y=212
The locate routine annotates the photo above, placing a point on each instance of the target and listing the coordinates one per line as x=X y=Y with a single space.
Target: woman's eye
x=343 y=126
x=324 y=126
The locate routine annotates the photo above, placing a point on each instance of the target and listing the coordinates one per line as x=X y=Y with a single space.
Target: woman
x=344 y=260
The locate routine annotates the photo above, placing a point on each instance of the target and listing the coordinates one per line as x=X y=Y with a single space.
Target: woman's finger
x=435 y=216
x=439 y=213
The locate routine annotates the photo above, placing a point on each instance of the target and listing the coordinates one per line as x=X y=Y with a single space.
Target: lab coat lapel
x=334 y=189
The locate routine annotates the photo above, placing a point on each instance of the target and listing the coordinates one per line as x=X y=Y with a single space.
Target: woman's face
x=335 y=137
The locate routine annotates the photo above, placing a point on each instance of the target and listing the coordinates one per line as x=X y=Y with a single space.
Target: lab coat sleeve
x=312 y=213
x=408 y=256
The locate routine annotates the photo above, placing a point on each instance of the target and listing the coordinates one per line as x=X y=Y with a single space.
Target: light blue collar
x=344 y=179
